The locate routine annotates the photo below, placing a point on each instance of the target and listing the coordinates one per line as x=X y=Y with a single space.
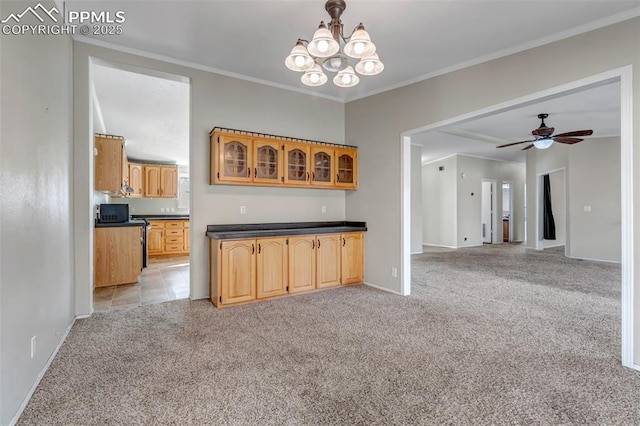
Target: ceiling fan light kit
x=325 y=47
x=544 y=136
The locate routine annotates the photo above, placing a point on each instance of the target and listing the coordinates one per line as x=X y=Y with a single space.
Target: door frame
x=494 y=207
x=625 y=76
x=511 y=197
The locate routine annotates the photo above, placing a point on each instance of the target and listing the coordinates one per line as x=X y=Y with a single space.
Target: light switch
x=324 y=209
x=587 y=209
x=243 y=209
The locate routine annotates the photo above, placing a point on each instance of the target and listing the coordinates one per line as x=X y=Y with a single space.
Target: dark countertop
x=258 y=230
x=132 y=222
x=160 y=216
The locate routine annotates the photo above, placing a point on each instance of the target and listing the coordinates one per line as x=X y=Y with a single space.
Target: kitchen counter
x=161 y=216
x=132 y=222
x=258 y=230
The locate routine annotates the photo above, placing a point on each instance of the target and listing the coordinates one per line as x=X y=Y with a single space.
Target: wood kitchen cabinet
x=109 y=163
x=328 y=258
x=271 y=267
x=302 y=263
x=136 y=180
x=352 y=258
x=322 y=166
x=168 y=237
x=118 y=255
x=160 y=181
x=244 y=158
x=238 y=276
x=346 y=166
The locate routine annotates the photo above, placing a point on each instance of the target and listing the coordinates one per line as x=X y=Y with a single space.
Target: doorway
x=555 y=200
x=150 y=111
x=488 y=211
x=507 y=211
x=622 y=75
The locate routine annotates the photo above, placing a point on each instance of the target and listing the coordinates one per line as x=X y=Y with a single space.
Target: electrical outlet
x=587 y=209
x=133 y=209
x=173 y=209
x=394 y=272
x=161 y=209
x=33 y=347
x=243 y=209
x=324 y=209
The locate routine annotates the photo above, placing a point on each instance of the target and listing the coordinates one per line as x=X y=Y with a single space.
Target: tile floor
x=163 y=279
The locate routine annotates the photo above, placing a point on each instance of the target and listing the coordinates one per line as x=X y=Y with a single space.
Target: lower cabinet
x=118 y=255
x=168 y=237
x=252 y=269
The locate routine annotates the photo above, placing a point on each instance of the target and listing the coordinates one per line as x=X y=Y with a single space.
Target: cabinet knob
x=307 y=175
x=318 y=243
x=343 y=241
x=248 y=171
x=337 y=178
x=313 y=244
x=259 y=248
x=253 y=248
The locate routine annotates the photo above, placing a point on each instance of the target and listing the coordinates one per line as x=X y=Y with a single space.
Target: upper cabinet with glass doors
x=243 y=158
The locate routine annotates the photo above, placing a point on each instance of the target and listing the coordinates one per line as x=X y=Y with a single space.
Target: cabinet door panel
x=302 y=264
x=234 y=158
x=346 y=166
x=118 y=255
x=297 y=160
x=108 y=164
x=272 y=267
x=352 y=258
x=238 y=271
x=152 y=181
x=329 y=259
x=169 y=182
x=321 y=166
x=267 y=161
x=135 y=180
x=155 y=241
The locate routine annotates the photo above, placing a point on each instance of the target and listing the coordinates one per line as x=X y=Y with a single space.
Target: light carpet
x=491 y=335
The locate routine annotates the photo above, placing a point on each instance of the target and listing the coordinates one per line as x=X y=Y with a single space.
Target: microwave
x=113 y=213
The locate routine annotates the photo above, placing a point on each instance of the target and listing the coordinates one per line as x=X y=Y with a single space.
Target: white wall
x=595 y=181
x=376 y=124
x=215 y=101
x=150 y=205
x=439 y=203
x=416 y=199
x=36 y=264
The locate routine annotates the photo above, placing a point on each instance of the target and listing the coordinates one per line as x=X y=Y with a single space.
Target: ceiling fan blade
x=569 y=141
x=527 y=147
x=575 y=133
x=511 y=144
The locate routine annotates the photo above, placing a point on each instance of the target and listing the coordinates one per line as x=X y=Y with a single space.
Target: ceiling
x=151 y=113
x=596 y=108
x=415 y=39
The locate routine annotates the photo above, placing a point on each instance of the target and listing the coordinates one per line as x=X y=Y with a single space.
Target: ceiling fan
x=544 y=136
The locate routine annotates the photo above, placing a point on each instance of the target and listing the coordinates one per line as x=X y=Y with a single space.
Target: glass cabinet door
x=267 y=161
x=234 y=158
x=296 y=164
x=346 y=168
x=322 y=166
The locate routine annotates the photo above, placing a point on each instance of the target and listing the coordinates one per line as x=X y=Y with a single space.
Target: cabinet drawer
x=173 y=232
x=173 y=240
x=173 y=224
x=186 y=224
x=171 y=248
x=156 y=225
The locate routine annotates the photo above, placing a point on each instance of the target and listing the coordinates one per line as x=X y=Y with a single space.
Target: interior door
x=487 y=212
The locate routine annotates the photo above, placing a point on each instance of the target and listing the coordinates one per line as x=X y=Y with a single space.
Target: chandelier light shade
x=323 y=44
x=299 y=59
x=325 y=49
x=360 y=45
x=371 y=65
x=346 y=78
x=314 y=77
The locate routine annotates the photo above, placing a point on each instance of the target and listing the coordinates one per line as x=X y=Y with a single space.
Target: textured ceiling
x=596 y=108
x=415 y=39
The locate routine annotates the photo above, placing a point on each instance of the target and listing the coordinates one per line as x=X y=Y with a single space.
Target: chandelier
x=324 y=48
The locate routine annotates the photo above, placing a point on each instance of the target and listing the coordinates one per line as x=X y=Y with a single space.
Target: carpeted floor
x=491 y=335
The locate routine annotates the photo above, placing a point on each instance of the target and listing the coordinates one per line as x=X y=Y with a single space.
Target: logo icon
x=34 y=11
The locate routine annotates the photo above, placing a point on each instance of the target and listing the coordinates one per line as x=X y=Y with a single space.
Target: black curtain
x=549 y=223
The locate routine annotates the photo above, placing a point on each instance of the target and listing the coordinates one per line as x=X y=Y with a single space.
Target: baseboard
x=439 y=245
x=383 y=288
x=553 y=246
x=636 y=367
x=83 y=316
x=27 y=398
x=594 y=260
x=418 y=252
